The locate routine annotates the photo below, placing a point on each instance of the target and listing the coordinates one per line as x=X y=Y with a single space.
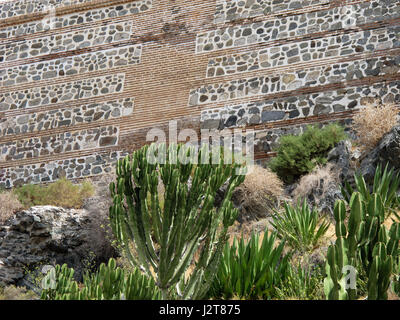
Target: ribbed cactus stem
x=363 y=242
x=162 y=231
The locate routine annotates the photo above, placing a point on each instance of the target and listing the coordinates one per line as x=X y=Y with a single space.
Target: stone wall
x=298 y=25
x=79 y=64
x=63 y=92
x=60 y=143
x=301 y=106
x=76 y=19
x=58 y=118
x=306 y=51
x=234 y=10
x=73 y=168
x=83 y=81
x=65 y=42
x=305 y=78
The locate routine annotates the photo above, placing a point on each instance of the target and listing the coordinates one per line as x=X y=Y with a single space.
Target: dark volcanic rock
x=340 y=156
x=41 y=236
x=387 y=152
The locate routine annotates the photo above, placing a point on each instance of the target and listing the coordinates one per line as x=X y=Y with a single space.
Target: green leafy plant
x=249 y=270
x=302 y=283
x=109 y=283
x=363 y=243
x=163 y=239
x=300 y=154
x=300 y=226
x=386 y=183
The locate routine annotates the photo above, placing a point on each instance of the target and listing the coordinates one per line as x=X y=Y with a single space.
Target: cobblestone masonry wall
x=298 y=25
x=301 y=106
x=281 y=82
x=305 y=51
x=83 y=81
x=241 y=9
x=74 y=168
x=18 y=8
x=66 y=42
x=63 y=92
x=76 y=19
x=99 y=60
x=60 y=143
x=65 y=117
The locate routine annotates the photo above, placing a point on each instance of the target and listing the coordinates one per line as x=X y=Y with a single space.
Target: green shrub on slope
x=298 y=155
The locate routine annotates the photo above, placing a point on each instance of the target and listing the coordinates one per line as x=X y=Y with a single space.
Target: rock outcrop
x=42 y=236
x=321 y=187
x=340 y=157
x=386 y=152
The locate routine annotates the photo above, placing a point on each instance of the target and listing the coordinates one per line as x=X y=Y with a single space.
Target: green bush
x=301 y=227
x=299 y=154
x=251 y=271
x=386 y=183
x=62 y=193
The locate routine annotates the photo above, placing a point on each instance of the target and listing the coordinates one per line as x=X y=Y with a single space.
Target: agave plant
x=108 y=283
x=249 y=270
x=300 y=226
x=385 y=184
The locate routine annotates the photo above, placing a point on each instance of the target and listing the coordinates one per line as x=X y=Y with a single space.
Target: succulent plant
x=161 y=232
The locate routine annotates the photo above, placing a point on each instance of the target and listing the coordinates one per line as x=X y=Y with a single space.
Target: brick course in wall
x=83 y=87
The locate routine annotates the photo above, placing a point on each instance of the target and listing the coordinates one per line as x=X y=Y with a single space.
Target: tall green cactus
x=396 y=280
x=59 y=283
x=386 y=183
x=363 y=242
x=334 y=283
x=380 y=273
x=162 y=232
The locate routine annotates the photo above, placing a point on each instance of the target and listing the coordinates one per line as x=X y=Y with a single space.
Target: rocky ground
x=47 y=235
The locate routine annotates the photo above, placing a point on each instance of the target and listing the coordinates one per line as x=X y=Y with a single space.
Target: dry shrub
x=62 y=193
x=260 y=192
x=9 y=204
x=316 y=183
x=373 y=122
x=17 y=293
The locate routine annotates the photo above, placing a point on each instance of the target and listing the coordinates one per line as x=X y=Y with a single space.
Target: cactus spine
x=165 y=236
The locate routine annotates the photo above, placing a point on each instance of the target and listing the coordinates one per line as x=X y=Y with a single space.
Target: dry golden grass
x=261 y=191
x=372 y=123
x=9 y=205
x=17 y=293
x=62 y=193
x=319 y=179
